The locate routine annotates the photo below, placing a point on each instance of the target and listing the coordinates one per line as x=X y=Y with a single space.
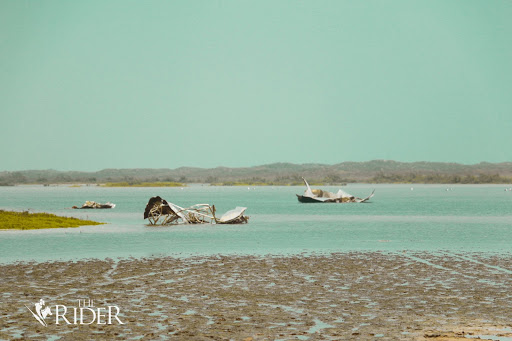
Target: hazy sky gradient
x=87 y=85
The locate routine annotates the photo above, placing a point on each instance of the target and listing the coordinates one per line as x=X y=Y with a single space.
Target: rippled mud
x=343 y=296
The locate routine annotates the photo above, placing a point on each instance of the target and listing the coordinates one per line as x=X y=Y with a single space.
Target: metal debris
x=235 y=216
x=92 y=204
x=161 y=212
x=318 y=195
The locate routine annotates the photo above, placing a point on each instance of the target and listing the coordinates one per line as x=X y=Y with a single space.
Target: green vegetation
x=269 y=183
x=143 y=184
x=277 y=174
x=31 y=221
x=234 y=183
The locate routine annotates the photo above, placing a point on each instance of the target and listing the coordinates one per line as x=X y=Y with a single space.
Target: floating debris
x=93 y=204
x=318 y=195
x=235 y=216
x=160 y=211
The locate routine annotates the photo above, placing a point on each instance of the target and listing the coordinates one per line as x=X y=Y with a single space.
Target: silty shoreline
x=340 y=296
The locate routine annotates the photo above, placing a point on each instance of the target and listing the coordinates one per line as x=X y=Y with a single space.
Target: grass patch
x=32 y=221
x=143 y=184
x=248 y=184
x=233 y=183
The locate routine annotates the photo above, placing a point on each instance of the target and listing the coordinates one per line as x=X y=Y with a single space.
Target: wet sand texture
x=345 y=296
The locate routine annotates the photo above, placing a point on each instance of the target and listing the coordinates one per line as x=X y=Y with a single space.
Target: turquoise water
x=466 y=218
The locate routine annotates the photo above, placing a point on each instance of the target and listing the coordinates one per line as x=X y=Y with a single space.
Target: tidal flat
x=339 y=296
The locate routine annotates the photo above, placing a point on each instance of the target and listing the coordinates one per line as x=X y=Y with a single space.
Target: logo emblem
x=41 y=312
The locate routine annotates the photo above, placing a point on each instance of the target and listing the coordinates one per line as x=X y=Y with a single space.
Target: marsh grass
x=31 y=221
x=143 y=184
x=234 y=183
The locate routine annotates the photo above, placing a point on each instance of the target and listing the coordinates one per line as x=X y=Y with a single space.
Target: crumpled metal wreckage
x=161 y=212
x=93 y=204
x=318 y=195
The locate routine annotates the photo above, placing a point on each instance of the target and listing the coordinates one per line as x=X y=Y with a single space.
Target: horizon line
x=260 y=165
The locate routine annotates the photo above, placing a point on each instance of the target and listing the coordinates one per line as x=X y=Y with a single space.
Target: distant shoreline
x=277 y=174
x=142 y=184
x=314 y=184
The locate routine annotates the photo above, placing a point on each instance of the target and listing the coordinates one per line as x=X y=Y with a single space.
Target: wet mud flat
x=342 y=296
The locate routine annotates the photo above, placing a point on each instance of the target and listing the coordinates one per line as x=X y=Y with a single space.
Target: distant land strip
x=143 y=184
x=278 y=174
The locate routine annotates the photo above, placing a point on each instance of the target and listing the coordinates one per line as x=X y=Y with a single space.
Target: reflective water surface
x=427 y=217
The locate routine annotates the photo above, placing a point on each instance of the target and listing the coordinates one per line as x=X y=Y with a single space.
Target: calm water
x=467 y=218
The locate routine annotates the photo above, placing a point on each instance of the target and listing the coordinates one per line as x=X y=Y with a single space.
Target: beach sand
x=342 y=296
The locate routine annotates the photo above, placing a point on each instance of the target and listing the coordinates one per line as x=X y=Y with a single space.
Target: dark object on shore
x=318 y=195
x=93 y=204
x=160 y=212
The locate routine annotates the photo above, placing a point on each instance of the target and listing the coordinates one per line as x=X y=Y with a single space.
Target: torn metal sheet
x=235 y=216
x=318 y=195
x=161 y=212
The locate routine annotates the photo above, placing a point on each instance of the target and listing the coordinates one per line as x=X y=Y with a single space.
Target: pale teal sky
x=87 y=85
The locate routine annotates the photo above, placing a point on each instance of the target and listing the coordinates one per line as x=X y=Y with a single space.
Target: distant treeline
x=279 y=174
x=128 y=181
x=442 y=179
